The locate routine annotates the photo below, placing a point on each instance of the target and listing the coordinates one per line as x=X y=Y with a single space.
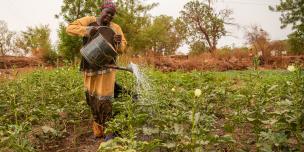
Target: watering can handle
x=116 y=45
x=97 y=28
x=96 y=34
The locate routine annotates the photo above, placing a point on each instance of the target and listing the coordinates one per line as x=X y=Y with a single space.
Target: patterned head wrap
x=108 y=4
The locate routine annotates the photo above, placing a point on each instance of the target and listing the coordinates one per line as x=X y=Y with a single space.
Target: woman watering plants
x=99 y=82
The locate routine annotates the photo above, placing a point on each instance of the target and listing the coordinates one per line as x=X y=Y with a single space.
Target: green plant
x=235 y=110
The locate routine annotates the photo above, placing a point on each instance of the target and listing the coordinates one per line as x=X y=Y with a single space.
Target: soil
x=9 y=62
x=207 y=62
x=12 y=66
x=76 y=138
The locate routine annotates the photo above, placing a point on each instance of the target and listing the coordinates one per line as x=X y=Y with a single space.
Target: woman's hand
x=92 y=30
x=117 y=39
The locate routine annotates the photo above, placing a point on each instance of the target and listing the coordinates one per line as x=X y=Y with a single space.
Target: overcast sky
x=22 y=13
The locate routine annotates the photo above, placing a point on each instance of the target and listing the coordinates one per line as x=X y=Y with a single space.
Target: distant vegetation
x=199 y=25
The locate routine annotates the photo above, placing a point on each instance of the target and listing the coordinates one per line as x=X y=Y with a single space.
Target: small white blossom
x=173 y=89
x=291 y=68
x=197 y=92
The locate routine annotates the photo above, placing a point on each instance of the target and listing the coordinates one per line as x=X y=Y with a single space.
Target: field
x=249 y=110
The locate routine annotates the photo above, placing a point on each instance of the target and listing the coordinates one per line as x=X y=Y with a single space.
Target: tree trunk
x=212 y=49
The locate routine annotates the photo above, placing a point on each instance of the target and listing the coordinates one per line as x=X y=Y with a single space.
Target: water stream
x=141 y=82
x=143 y=87
x=146 y=98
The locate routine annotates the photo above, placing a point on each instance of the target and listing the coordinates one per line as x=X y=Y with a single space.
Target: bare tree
x=7 y=39
x=259 y=40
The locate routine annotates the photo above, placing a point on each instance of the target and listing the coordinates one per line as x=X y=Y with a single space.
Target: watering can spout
x=128 y=68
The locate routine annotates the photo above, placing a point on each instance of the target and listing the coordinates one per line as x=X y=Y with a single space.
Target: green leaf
x=272 y=88
x=228 y=138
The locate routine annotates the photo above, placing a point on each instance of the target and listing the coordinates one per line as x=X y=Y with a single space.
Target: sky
x=19 y=14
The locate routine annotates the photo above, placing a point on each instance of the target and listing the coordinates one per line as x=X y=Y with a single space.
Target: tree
x=203 y=24
x=36 y=40
x=197 y=48
x=296 y=41
x=259 y=40
x=7 y=39
x=69 y=46
x=133 y=17
x=161 y=37
x=279 y=45
x=74 y=9
x=292 y=13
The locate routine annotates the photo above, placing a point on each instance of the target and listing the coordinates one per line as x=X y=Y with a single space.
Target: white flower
x=173 y=89
x=197 y=92
x=291 y=68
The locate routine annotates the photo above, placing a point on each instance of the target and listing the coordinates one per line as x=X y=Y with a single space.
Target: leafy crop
x=213 y=111
x=48 y=99
x=197 y=111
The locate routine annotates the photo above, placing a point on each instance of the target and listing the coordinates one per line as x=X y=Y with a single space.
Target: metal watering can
x=100 y=51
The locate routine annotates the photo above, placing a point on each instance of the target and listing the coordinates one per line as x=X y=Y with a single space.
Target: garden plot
x=179 y=111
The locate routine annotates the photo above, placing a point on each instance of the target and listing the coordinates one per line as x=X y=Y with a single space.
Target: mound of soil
x=168 y=64
x=8 y=62
x=203 y=62
x=208 y=62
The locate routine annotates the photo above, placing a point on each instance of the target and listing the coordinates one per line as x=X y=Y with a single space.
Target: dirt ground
x=9 y=62
x=76 y=138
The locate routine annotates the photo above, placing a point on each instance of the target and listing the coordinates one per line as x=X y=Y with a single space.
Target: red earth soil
x=202 y=62
x=215 y=63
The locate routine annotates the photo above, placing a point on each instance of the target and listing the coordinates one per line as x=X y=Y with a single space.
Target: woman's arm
x=80 y=26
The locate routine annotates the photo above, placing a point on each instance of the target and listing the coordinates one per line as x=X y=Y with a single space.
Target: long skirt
x=99 y=86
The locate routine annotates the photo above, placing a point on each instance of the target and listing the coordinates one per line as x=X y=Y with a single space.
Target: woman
x=99 y=82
